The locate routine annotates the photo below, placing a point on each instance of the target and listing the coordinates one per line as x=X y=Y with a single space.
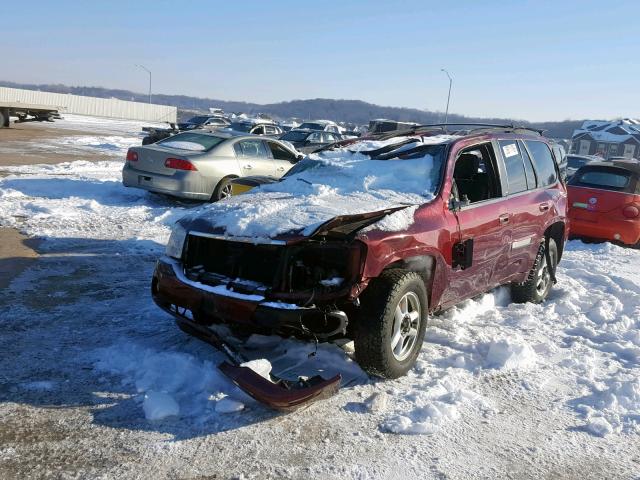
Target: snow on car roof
x=343 y=181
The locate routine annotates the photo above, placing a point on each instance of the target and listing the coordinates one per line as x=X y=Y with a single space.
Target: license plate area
x=144 y=180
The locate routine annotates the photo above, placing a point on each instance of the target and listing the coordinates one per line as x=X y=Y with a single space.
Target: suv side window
x=251 y=148
x=532 y=178
x=475 y=174
x=542 y=159
x=513 y=161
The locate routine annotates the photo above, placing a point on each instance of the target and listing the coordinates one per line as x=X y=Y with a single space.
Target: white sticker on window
x=510 y=150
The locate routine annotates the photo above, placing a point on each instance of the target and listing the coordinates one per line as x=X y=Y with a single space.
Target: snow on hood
x=328 y=184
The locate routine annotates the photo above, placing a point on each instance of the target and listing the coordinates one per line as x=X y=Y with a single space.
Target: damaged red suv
x=367 y=238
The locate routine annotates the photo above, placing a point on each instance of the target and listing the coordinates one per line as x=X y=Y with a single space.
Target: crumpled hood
x=332 y=193
x=268 y=215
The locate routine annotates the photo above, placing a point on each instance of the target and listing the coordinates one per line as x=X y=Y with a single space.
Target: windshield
x=311 y=126
x=295 y=136
x=413 y=169
x=241 y=126
x=198 y=119
x=191 y=141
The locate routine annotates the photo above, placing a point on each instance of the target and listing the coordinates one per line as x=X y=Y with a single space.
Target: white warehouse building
x=94 y=106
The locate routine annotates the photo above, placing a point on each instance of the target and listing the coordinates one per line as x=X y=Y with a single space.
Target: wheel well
x=556 y=231
x=424 y=265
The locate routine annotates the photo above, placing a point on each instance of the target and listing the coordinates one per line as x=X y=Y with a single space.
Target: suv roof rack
x=482 y=126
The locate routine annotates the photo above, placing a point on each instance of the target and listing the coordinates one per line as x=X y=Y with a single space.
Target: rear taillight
x=132 y=156
x=179 y=164
x=631 y=211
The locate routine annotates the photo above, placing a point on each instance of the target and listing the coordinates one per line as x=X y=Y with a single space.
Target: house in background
x=618 y=138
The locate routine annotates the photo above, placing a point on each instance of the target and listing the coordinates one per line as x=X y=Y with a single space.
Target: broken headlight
x=176 y=241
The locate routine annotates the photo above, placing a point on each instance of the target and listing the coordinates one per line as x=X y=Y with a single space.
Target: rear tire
x=537 y=286
x=391 y=323
x=222 y=190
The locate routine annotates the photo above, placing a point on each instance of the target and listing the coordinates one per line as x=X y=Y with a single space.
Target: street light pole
x=149 y=72
x=446 y=115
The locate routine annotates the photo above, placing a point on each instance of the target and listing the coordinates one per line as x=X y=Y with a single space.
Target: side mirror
x=455 y=205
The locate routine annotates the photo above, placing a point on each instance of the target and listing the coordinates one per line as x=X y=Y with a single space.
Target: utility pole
x=149 y=72
x=446 y=115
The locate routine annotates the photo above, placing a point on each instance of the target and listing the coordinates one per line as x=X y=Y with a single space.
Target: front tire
x=391 y=323
x=537 y=286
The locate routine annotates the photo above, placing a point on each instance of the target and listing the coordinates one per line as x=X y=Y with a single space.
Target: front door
x=481 y=224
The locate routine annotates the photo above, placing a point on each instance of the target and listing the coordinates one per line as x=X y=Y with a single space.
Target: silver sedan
x=201 y=165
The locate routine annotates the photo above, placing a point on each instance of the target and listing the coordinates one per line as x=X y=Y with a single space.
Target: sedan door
x=254 y=158
x=283 y=158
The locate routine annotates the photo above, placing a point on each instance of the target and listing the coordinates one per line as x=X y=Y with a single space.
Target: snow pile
x=83 y=200
x=510 y=354
x=331 y=183
x=172 y=382
x=614 y=408
x=430 y=405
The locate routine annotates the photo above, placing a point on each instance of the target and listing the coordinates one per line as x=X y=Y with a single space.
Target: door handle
x=503 y=219
x=280 y=169
x=248 y=167
x=544 y=207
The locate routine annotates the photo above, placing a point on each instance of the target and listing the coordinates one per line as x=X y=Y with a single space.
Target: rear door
x=254 y=157
x=528 y=204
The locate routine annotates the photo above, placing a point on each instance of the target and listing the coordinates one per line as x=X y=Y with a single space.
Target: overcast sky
x=528 y=60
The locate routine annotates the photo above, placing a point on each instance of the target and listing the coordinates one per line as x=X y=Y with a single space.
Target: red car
x=495 y=214
x=604 y=202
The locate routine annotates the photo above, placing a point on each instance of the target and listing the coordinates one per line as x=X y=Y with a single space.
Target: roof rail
x=480 y=126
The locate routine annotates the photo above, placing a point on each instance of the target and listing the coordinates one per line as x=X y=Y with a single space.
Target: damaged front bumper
x=188 y=299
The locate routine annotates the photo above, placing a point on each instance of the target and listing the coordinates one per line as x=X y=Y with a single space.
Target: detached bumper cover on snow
x=170 y=287
x=279 y=394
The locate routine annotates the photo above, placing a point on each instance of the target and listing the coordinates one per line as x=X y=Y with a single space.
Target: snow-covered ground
x=96 y=381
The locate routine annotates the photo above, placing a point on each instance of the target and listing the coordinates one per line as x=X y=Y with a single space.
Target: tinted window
x=603 y=177
x=241 y=126
x=280 y=153
x=516 y=176
x=315 y=137
x=311 y=126
x=542 y=159
x=250 y=148
x=532 y=179
x=294 y=136
x=258 y=130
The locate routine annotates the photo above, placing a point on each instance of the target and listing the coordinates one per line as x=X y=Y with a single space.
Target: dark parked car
x=306 y=141
x=493 y=212
x=257 y=128
x=204 y=121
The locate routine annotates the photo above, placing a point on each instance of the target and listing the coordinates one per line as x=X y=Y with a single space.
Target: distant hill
x=355 y=111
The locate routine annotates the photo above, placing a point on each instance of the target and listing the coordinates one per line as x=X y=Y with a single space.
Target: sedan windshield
x=295 y=136
x=191 y=141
